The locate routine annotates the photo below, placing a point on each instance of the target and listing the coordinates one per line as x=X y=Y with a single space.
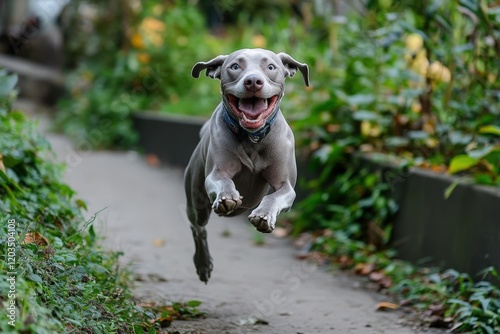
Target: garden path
x=144 y=217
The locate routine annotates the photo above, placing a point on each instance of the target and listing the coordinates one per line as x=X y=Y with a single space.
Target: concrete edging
x=172 y=138
x=461 y=232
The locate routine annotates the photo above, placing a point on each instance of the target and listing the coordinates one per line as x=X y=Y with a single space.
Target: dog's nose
x=254 y=82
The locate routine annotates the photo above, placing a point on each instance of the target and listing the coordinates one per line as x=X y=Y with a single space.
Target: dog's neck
x=242 y=133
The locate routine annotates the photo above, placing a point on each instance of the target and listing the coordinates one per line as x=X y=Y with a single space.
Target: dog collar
x=241 y=132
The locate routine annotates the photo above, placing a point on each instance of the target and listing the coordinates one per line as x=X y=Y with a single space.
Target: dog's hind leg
x=198 y=212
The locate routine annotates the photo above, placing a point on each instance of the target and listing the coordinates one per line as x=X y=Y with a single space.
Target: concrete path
x=145 y=218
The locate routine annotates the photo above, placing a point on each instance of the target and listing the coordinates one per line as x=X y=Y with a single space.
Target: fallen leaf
x=364 y=268
x=152 y=160
x=385 y=282
x=383 y=306
x=376 y=276
x=159 y=242
x=344 y=261
x=36 y=238
x=302 y=255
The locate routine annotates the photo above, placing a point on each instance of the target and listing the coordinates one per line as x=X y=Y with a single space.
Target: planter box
x=172 y=138
x=461 y=232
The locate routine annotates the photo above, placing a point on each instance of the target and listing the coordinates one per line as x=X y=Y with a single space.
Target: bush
x=63 y=279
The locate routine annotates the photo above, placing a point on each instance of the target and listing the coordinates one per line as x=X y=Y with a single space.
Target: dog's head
x=252 y=82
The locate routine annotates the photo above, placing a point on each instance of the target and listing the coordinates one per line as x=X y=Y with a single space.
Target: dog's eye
x=271 y=67
x=235 y=67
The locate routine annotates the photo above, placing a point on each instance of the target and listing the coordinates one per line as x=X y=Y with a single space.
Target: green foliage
x=150 y=69
x=476 y=306
x=416 y=80
x=64 y=280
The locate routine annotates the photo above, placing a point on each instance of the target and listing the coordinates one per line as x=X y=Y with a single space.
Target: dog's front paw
x=226 y=204
x=263 y=222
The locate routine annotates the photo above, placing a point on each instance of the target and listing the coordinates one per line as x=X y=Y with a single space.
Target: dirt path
x=145 y=219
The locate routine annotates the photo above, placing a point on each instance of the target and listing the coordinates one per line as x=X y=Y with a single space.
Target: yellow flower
x=416 y=107
x=431 y=142
x=150 y=23
x=370 y=130
x=143 y=58
x=137 y=41
x=420 y=63
x=439 y=72
x=414 y=42
x=259 y=41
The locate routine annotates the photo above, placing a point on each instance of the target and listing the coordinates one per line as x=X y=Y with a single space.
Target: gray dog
x=246 y=147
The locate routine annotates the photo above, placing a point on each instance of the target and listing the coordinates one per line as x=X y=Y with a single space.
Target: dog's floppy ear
x=291 y=65
x=213 y=67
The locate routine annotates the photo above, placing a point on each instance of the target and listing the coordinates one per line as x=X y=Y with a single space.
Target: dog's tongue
x=252 y=107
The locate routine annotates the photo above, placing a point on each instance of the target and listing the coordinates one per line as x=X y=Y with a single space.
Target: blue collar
x=254 y=137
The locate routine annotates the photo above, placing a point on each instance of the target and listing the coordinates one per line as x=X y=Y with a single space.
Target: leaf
x=193 y=303
x=396 y=141
x=450 y=188
x=458 y=301
x=34 y=277
x=462 y=162
x=483 y=178
x=159 y=242
x=365 y=115
x=7 y=84
x=360 y=99
x=480 y=152
x=382 y=306
x=36 y=238
x=490 y=129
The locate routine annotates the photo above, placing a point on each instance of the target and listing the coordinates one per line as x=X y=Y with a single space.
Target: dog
x=246 y=148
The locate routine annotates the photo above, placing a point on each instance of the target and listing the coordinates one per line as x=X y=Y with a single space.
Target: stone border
x=461 y=232
x=172 y=138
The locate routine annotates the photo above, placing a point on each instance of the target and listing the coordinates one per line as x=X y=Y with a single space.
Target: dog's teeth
x=250 y=120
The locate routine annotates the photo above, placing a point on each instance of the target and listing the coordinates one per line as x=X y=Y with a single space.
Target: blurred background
x=398 y=138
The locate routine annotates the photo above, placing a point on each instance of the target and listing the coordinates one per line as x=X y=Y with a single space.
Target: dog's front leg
x=282 y=178
x=264 y=216
x=222 y=191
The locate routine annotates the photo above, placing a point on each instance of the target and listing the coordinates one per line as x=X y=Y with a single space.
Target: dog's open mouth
x=252 y=111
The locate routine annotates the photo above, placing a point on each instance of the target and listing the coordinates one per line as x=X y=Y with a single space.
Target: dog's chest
x=253 y=158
